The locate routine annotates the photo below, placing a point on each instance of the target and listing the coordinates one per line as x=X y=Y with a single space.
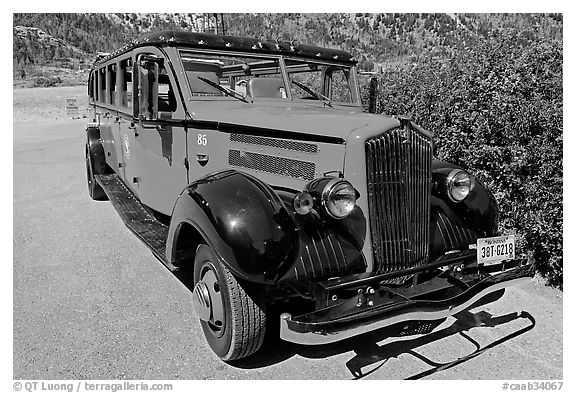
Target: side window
x=155 y=93
x=125 y=84
x=102 y=87
x=111 y=82
x=96 y=86
x=91 y=86
x=166 y=96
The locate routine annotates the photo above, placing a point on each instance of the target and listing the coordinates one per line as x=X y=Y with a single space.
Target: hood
x=313 y=119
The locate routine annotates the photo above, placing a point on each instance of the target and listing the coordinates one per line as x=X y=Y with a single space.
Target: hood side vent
x=309 y=148
x=301 y=170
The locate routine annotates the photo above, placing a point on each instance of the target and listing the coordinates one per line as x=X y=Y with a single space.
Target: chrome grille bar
x=399 y=172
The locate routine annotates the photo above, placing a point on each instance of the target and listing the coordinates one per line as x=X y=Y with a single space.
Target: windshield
x=310 y=80
x=217 y=76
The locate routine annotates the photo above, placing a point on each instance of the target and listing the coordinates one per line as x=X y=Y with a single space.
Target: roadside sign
x=72 y=108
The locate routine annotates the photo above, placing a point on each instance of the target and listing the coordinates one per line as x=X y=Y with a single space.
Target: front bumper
x=378 y=308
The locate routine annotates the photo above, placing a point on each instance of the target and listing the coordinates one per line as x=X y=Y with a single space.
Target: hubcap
x=201 y=301
x=207 y=300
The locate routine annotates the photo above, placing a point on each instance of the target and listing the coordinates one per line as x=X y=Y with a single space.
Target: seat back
x=266 y=87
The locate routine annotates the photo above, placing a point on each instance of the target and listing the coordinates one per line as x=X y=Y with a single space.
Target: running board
x=147 y=228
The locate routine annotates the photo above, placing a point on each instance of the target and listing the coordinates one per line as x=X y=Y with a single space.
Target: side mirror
x=373 y=95
x=147 y=88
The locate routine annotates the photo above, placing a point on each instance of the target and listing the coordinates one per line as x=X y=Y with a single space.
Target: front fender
x=95 y=150
x=457 y=225
x=244 y=222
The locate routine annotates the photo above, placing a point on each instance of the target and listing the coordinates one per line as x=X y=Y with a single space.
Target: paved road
x=90 y=302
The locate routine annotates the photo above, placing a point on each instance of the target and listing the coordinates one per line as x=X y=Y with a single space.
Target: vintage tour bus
x=250 y=166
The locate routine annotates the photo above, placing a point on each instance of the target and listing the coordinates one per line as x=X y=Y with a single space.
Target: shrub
x=496 y=110
x=46 y=81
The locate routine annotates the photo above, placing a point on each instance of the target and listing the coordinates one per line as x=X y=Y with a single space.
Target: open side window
x=156 y=97
x=111 y=83
x=96 y=86
x=124 y=82
x=102 y=84
x=166 y=97
x=91 y=86
x=147 y=82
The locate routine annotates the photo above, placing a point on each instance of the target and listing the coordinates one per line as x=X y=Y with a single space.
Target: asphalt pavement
x=91 y=302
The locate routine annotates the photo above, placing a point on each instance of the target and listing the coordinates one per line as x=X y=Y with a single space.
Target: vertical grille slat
x=417 y=195
x=413 y=195
x=400 y=201
x=399 y=165
x=425 y=190
x=386 y=255
x=395 y=214
x=387 y=168
x=404 y=200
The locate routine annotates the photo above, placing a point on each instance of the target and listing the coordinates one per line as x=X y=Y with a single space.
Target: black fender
x=328 y=247
x=243 y=220
x=457 y=225
x=95 y=150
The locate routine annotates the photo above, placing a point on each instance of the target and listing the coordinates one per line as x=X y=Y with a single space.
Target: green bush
x=496 y=110
x=46 y=81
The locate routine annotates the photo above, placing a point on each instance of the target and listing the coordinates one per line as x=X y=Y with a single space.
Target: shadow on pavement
x=464 y=321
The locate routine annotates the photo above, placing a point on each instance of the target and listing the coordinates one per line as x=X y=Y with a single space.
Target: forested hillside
x=373 y=38
x=489 y=86
x=386 y=38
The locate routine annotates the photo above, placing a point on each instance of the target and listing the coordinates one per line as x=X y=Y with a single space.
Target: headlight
x=458 y=185
x=303 y=203
x=338 y=198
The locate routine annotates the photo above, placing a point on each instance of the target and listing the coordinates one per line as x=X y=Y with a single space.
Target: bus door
x=160 y=138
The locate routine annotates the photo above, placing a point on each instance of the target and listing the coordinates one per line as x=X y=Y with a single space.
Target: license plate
x=492 y=250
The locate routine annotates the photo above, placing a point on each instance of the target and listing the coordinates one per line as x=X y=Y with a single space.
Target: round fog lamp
x=339 y=198
x=303 y=203
x=458 y=185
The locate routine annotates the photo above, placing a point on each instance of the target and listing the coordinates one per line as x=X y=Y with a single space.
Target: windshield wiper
x=325 y=100
x=225 y=90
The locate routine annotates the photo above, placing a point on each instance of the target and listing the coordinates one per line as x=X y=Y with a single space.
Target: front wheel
x=233 y=323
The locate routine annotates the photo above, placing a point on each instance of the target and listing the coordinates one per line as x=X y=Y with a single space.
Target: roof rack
x=233 y=43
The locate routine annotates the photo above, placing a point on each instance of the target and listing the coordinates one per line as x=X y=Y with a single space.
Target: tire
x=236 y=325
x=94 y=189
